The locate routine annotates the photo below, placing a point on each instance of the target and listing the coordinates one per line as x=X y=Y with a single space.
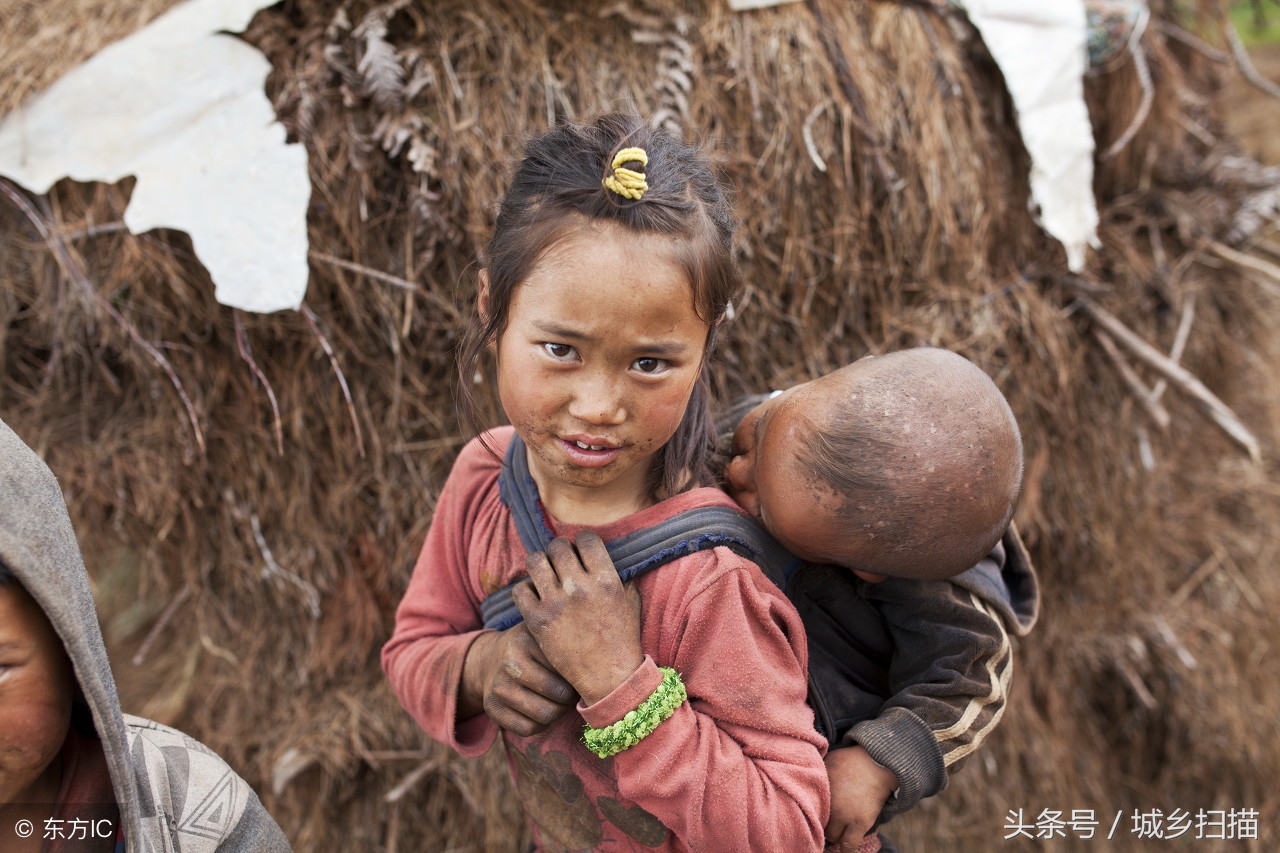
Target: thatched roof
x=251 y=489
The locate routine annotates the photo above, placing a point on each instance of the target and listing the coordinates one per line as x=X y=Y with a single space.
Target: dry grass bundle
x=251 y=490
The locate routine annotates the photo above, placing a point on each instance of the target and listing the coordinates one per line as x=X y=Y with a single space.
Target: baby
x=902 y=465
x=895 y=479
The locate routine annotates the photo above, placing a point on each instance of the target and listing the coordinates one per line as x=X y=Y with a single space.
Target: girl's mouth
x=588 y=455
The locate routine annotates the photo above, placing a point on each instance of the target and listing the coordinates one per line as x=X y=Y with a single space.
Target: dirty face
x=600 y=354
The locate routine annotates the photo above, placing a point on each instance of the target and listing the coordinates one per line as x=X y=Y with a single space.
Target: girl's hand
x=507 y=676
x=585 y=620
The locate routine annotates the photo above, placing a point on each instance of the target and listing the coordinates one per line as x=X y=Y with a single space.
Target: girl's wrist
x=476 y=665
x=603 y=708
x=605 y=679
x=638 y=724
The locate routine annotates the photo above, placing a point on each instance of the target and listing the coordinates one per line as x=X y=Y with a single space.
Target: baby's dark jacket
x=916 y=672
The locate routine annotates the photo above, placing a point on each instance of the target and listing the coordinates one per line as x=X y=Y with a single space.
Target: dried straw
x=249 y=551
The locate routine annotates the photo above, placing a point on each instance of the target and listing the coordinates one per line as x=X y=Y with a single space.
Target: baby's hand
x=583 y=617
x=859 y=789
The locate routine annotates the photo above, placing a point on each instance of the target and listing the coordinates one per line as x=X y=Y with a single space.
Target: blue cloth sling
x=1004 y=578
x=638 y=552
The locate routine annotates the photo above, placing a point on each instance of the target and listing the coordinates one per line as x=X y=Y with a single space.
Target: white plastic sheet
x=1040 y=47
x=180 y=106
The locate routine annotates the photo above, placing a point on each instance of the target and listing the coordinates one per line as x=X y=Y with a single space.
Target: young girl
x=608 y=272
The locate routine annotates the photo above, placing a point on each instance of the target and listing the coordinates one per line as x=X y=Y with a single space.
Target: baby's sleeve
x=948 y=683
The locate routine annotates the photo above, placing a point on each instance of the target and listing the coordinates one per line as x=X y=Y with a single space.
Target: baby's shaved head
x=923 y=455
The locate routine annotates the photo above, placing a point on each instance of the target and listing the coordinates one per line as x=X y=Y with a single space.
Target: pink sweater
x=738 y=767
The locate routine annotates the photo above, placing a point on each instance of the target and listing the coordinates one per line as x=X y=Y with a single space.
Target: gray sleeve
x=189 y=799
x=257 y=832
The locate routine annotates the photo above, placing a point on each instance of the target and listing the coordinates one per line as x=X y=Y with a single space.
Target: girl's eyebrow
x=551 y=330
x=664 y=348
x=564 y=333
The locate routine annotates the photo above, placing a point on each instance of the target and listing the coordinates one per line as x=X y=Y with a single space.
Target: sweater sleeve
x=739 y=766
x=438 y=619
x=949 y=681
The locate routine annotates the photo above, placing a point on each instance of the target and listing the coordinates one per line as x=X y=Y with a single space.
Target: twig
x=1233 y=570
x=1199 y=45
x=1144 y=106
x=273 y=570
x=806 y=130
x=1265 y=268
x=1145 y=395
x=376 y=757
x=1245 y=64
x=1218 y=411
x=1180 y=339
x=1171 y=640
x=342 y=380
x=1197 y=577
x=96 y=230
x=351 y=266
x=1145 y=454
x=169 y=611
x=1138 y=686
x=242 y=343
x=72 y=270
x=411 y=778
x=458 y=94
x=1196 y=130
x=890 y=179
x=387 y=278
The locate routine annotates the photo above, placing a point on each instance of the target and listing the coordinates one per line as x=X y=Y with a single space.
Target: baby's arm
x=859 y=789
x=949 y=681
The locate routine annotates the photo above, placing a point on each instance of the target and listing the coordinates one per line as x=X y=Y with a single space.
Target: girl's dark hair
x=559 y=183
x=6 y=575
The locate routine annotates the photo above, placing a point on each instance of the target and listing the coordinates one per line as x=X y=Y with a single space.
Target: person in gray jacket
x=76 y=774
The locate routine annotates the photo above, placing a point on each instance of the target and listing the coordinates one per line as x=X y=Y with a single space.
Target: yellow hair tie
x=627 y=183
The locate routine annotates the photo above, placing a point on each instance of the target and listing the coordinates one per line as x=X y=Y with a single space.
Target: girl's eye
x=558 y=351
x=651 y=366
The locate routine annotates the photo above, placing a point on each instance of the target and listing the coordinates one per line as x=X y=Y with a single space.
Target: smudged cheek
x=532 y=405
x=31 y=735
x=662 y=414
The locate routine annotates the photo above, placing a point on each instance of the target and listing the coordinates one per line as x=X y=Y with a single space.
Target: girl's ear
x=482 y=296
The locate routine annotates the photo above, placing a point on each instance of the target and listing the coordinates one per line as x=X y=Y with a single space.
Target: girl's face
x=601 y=352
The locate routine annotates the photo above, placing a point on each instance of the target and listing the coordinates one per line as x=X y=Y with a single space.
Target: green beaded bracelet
x=641 y=722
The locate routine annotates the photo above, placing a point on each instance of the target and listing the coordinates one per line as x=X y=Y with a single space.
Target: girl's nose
x=597 y=401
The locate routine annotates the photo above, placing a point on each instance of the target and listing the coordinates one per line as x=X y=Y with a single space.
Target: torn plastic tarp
x=1041 y=50
x=180 y=106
